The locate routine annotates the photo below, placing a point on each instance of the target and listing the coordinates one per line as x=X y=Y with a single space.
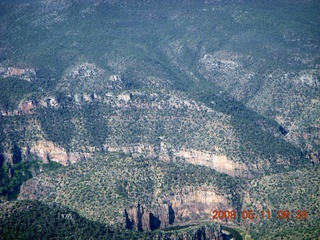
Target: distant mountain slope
x=166 y=125
x=80 y=51
x=214 y=97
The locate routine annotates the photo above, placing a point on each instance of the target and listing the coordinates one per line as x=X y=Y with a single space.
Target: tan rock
x=124 y=97
x=188 y=204
x=26 y=107
x=48 y=151
x=138 y=217
x=12 y=71
x=219 y=162
x=49 y=102
x=25 y=74
x=199 y=202
x=78 y=156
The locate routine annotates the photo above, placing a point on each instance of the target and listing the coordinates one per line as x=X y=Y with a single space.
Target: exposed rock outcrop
x=139 y=219
x=86 y=76
x=189 y=204
x=194 y=203
x=27 y=74
x=48 y=151
x=219 y=162
x=315 y=157
x=24 y=107
x=27 y=107
x=124 y=97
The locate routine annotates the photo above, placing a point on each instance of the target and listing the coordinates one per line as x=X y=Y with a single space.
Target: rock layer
x=189 y=204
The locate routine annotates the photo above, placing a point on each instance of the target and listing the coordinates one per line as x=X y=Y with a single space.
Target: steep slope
x=68 y=64
x=137 y=194
x=36 y=220
x=146 y=195
x=216 y=98
x=296 y=192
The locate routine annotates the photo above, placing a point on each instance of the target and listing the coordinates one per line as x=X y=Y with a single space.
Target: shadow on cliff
x=152 y=222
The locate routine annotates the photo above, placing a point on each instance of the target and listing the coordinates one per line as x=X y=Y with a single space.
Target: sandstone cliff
x=48 y=151
x=188 y=204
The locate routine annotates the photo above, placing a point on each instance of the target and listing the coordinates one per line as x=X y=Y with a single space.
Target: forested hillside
x=131 y=112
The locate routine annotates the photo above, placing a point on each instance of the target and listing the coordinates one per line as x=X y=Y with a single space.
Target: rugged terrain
x=209 y=101
x=119 y=189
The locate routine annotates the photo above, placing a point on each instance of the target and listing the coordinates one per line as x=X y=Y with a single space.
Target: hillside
x=36 y=220
x=112 y=108
x=147 y=195
x=70 y=68
x=110 y=190
x=295 y=192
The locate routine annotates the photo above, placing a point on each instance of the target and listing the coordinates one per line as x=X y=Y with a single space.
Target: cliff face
x=48 y=151
x=140 y=219
x=181 y=206
x=214 y=160
x=220 y=163
x=137 y=218
x=164 y=124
